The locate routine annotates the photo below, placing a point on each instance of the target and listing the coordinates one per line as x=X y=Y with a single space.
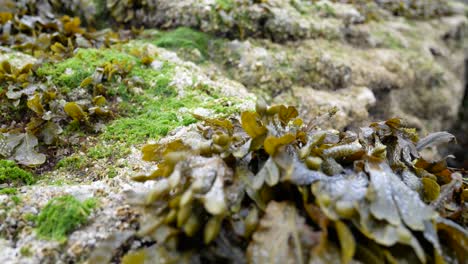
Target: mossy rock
x=62 y=215
x=11 y=174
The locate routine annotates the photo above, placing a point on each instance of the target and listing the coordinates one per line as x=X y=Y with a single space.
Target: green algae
x=186 y=38
x=100 y=152
x=10 y=173
x=158 y=116
x=72 y=163
x=8 y=191
x=107 y=150
x=156 y=82
x=225 y=5
x=388 y=39
x=148 y=105
x=112 y=173
x=26 y=252
x=16 y=199
x=69 y=73
x=155 y=119
x=62 y=215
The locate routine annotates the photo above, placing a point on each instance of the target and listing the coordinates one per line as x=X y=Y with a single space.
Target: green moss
x=108 y=150
x=388 y=40
x=16 y=199
x=226 y=5
x=25 y=252
x=150 y=113
x=100 y=152
x=156 y=118
x=185 y=38
x=62 y=215
x=323 y=7
x=10 y=173
x=156 y=82
x=112 y=173
x=74 y=162
x=8 y=191
x=71 y=72
x=30 y=217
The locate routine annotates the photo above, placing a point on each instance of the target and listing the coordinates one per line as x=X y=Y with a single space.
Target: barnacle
x=259 y=167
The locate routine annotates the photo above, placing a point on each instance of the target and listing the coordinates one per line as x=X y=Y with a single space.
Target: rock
x=17 y=59
x=352 y=103
x=415 y=70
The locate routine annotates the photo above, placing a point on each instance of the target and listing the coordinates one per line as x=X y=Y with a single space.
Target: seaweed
x=67 y=83
x=286 y=190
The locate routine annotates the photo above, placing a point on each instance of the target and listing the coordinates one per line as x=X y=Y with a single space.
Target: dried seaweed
x=258 y=178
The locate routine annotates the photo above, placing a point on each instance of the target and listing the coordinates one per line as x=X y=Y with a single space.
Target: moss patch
x=158 y=116
x=388 y=40
x=8 y=191
x=155 y=119
x=16 y=199
x=71 y=72
x=225 y=4
x=72 y=163
x=10 y=173
x=186 y=38
x=149 y=106
x=62 y=215
x=26 y=252
x=155 y=82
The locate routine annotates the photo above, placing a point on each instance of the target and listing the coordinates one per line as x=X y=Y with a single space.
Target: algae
x=69 y=73
x=225 y=5
x=72 y=163
x=186 y=38
x=11 y=174
x=8 y=191
x=62 y=215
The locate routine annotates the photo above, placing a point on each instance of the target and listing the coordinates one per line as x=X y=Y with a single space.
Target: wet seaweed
x=286 y=191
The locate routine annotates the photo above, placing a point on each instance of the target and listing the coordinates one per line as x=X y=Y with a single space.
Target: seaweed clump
x=62 y=215
x=271 y=188
x=36 y=106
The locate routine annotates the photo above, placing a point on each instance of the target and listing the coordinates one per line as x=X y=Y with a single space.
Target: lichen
x=62 y=215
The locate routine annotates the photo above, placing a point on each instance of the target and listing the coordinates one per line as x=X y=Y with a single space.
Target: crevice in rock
x=460 y=130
